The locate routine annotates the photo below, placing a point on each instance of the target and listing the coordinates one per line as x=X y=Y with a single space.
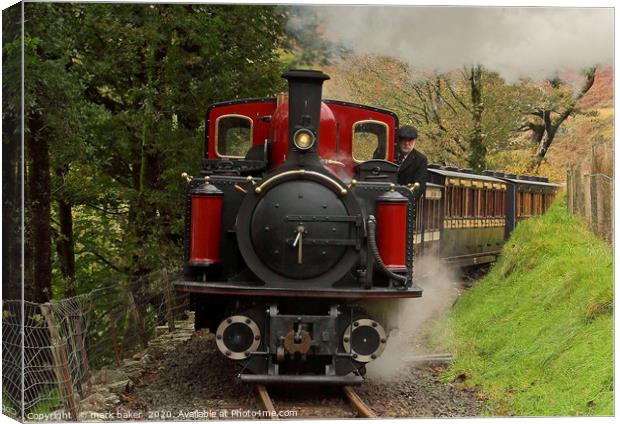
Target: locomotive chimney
x=304 y=114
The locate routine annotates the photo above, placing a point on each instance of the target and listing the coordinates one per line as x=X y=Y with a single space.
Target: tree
x=11 y=153
x=116 y=96
x=556 y=103
x=50 y=112
x=462 y=115
x=12 y=347
x=163 y=65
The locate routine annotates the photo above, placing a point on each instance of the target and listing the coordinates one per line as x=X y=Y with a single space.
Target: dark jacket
x=413 y=170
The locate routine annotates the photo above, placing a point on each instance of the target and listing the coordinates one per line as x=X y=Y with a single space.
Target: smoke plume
x=535 y=42
x=407 y=320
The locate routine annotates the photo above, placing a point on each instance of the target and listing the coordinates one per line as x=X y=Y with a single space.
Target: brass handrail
x=302 y=172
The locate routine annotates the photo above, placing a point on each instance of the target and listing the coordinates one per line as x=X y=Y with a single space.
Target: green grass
x=8 y=407
x=49 y=402
x=535 y=336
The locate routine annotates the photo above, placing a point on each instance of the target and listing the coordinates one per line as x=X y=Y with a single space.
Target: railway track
x=430 y=359
x=317 y=409
x=330 y=402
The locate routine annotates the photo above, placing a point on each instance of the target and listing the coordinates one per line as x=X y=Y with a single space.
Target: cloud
x=516 y=42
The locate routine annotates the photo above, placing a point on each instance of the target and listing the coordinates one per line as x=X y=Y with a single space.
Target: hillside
x=574 y=141
x=536 y=334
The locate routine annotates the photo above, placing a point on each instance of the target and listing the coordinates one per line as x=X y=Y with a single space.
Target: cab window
x=234 y=136
x=369 y=141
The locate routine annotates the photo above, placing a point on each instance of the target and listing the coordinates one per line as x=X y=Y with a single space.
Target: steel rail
x=263 y=395
x=359 y=406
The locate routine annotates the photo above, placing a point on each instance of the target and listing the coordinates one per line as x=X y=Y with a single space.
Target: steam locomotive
x=297 y=221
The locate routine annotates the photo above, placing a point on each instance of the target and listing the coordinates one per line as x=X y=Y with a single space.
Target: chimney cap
x=305 y=73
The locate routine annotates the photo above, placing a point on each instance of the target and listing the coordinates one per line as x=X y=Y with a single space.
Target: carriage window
x=451 y=201
x=525 y=204
x=499 y=202
x=475 y=196
x=469 y=202
x=234 y=136
x=541 y=205
x=369 y=141
x=490 y=203
x=457 y=201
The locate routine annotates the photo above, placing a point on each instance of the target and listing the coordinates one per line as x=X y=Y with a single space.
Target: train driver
x=412 y=164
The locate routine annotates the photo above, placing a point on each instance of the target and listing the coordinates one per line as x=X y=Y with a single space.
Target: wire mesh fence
x=51 y=350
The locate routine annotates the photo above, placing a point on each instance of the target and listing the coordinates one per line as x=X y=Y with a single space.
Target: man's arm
x=420 y=176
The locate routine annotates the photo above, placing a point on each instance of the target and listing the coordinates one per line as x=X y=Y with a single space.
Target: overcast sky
x=534 y=42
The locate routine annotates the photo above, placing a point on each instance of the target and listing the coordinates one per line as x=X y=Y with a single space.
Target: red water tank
x=206 y=224
x=392 y=229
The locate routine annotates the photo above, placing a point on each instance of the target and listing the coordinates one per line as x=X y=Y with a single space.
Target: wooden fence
x=590 y=190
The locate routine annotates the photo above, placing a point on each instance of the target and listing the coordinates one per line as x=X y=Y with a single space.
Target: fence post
x=168 y=297
x=115 y=348
x=594 y=204
x=573 y=187
x=587 y=197
x=61 y=362
x=82 y=346
x=574 y=190
x=137 y=311
x=590 y=191
x=569 y=191
x=594 y=168
x=605 y=196
x=575 y=184
x=610 y=211
x=578 y=192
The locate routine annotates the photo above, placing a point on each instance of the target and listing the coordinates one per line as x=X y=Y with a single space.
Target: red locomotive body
x=286 y=232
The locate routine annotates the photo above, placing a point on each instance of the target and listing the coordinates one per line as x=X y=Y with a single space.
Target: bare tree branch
x=551 y=126
x=456 y=97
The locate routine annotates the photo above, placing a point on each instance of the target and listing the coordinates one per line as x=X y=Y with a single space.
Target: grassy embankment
x=536 y=334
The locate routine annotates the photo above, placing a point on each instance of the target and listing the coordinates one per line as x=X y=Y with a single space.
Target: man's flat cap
x=407 y=132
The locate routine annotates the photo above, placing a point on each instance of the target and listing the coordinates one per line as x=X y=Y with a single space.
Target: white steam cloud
x=408 y=321
x=516 y=42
